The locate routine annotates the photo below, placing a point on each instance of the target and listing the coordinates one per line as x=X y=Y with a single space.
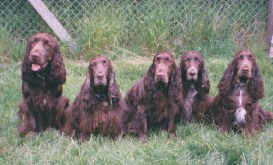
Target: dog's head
x=42 y=49
x=163 y=67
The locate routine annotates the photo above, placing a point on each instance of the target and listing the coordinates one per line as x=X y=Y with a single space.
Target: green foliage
x=10 y=50
x=143 y=27
x=99 y=32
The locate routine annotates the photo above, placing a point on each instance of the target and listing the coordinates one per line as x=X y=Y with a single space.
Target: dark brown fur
x=43 y=104
x=154 y=100
x=241 y=87
x=97 y=108
x=196 y=86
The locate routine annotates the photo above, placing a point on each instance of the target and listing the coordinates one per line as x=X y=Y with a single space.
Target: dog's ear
x=256 y=87
x=205 y=84
x=85 y=91
x=225 y=83
x=175 y=86
x=57 y=70
x=149 y=85
x=112 y=79
x=26 y=65
x=113 y=90
x=87 y=80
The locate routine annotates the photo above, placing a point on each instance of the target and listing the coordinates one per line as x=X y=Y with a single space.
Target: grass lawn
x=197 y=144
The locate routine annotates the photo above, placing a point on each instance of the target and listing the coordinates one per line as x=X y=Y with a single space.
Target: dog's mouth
x=161 y=81
x=243 y=79
x=38 y=67
x=101 y=84
x=160 y=85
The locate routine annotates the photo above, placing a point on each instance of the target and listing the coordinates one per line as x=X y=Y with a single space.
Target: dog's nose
x=160 y=72
x=34 y=55
x=245 y=69
x=192 y=73
x=100 y=74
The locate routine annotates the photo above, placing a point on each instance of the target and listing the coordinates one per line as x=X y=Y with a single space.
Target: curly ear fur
x=204 y=81
x=183 y=71
x=149 y=82
x=85 y=91
x=225 y=84
x=256 y=85
x=57 y=69
x=113 y=90
x=175 y=86
x=26 y=66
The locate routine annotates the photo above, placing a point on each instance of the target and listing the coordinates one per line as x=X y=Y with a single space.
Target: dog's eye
x=105 y=63
x=250 y=57
x=93 y=64
x=157 y=60
x=187 y=60
x=47 y=45
x=33 y=42
x=168 y=61
x=240 y=58
x=196 y=59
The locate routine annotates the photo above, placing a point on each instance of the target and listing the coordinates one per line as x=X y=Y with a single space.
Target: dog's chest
x=161 y=99
x=160 y=106
x=103 y=106
x=240 y=97
x=189 y=101
x=190 y=96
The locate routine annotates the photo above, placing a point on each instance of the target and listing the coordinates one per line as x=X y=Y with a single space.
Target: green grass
x=197 y=143
x=10 y=50
x=130 y=45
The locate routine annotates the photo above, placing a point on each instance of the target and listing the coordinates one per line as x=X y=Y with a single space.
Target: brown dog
x=43 y=73
x=155 y=99
x=97 y=108
x=196 y=86
x=237 y=107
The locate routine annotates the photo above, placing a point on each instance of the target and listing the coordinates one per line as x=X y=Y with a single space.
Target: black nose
x=245 y=69
x=192 y=74
x=100 y=75
x=34 y=56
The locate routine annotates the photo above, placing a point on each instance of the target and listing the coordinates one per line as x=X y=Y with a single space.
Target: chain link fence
x=127 y=19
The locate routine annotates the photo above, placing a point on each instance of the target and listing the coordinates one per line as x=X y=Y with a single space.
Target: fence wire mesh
x=133 y=17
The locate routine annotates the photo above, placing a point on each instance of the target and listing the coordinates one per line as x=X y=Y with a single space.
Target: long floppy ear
x=256 y=86
x=225 y=84
x=113 y=90
x=182 y=68
x=85 y=91
x=205 y=84
x=149 y=82
x=175 y=86
x=57 y=70
x=25 y=66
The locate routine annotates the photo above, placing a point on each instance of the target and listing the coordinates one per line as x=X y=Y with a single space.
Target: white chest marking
x=44 y=101
x=240 y=111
